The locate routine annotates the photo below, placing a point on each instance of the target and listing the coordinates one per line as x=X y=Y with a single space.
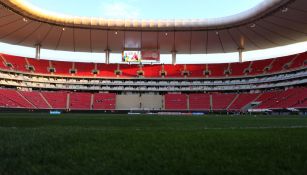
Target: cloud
x=120 y=10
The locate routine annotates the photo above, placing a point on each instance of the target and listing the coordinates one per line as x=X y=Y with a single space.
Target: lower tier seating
x=199 y=102
x=36 y=99
x=57 y=100
x=232 y=102
x=104 y=101
x=80 y=101
x=176 y=102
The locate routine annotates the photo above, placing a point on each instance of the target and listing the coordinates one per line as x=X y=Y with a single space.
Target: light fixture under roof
x=24 y=19
x=285 y=10
x=63 y=29
x=253 y=25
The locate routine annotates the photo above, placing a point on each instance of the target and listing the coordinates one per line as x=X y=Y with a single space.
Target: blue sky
x=147 y=9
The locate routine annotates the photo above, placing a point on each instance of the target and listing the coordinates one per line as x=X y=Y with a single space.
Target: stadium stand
x=199 y=102
x=57 y=100
x=278 y=99
x=35 y=99
x=104 y=101
x=13 y=99
x=176 y=102
x=221 y=102
x=80 y=101
x=241 y=101
x=154 y=71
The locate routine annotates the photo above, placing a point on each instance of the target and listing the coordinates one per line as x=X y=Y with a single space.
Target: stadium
x=128 y=95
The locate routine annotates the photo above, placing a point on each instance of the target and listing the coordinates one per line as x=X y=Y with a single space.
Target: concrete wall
x=127 y=102
x=136 y=101
x=151 y=102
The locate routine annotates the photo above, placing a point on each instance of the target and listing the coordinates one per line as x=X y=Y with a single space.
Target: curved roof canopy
x=272 y=23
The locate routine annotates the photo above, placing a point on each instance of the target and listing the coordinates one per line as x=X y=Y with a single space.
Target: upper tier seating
x=298 y=62
x=129 y=70
x=217 y=70
x=40 y=66
x=237 y=69
x=84 y=69
x=62 y=67
x=107 y=70
x=18 y=63
x=279 y=63
x=154 y=71
x=173 y=70
x=196 y=70
x=258 y=67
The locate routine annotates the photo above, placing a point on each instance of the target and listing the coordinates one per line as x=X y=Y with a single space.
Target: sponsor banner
x=150 y=55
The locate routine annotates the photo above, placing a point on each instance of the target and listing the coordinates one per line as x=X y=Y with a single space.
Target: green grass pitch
x=126 y=144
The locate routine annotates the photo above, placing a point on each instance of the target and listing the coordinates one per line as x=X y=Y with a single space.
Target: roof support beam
x=38 y=51
x=174 y=57
x=107 y=52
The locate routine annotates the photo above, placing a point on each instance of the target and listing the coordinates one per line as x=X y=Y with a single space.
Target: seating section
x=241 y=101
x=196 y=70
x=199 y=102
x=258 y=67
x=2 y=62
x=217 y=70
x=104 y=101
x=153 y=71
x=221 y=101
x=173 y=70
x=61 y=67
x=107 y=70
x=279 y=63
x=36 y=99
x=290 y=98
x=237 y=69
x=12 y=99
x=176 y=102
x=129 y=70
x=232 y=102
x=84 y=69
x=40 y=66
x=298 y=62
x=57 y=100
x=18 y=63
x=80 y=101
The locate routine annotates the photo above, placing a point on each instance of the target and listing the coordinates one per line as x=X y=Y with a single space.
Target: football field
x=149 y=144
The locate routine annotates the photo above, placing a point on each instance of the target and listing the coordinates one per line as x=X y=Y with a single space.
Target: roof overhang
x=265 y=26
x=249 y=16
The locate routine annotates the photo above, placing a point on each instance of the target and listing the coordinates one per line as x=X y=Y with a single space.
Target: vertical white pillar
x=38 y=51
x=174 y=56
x=107 y=52
x=240 y=54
